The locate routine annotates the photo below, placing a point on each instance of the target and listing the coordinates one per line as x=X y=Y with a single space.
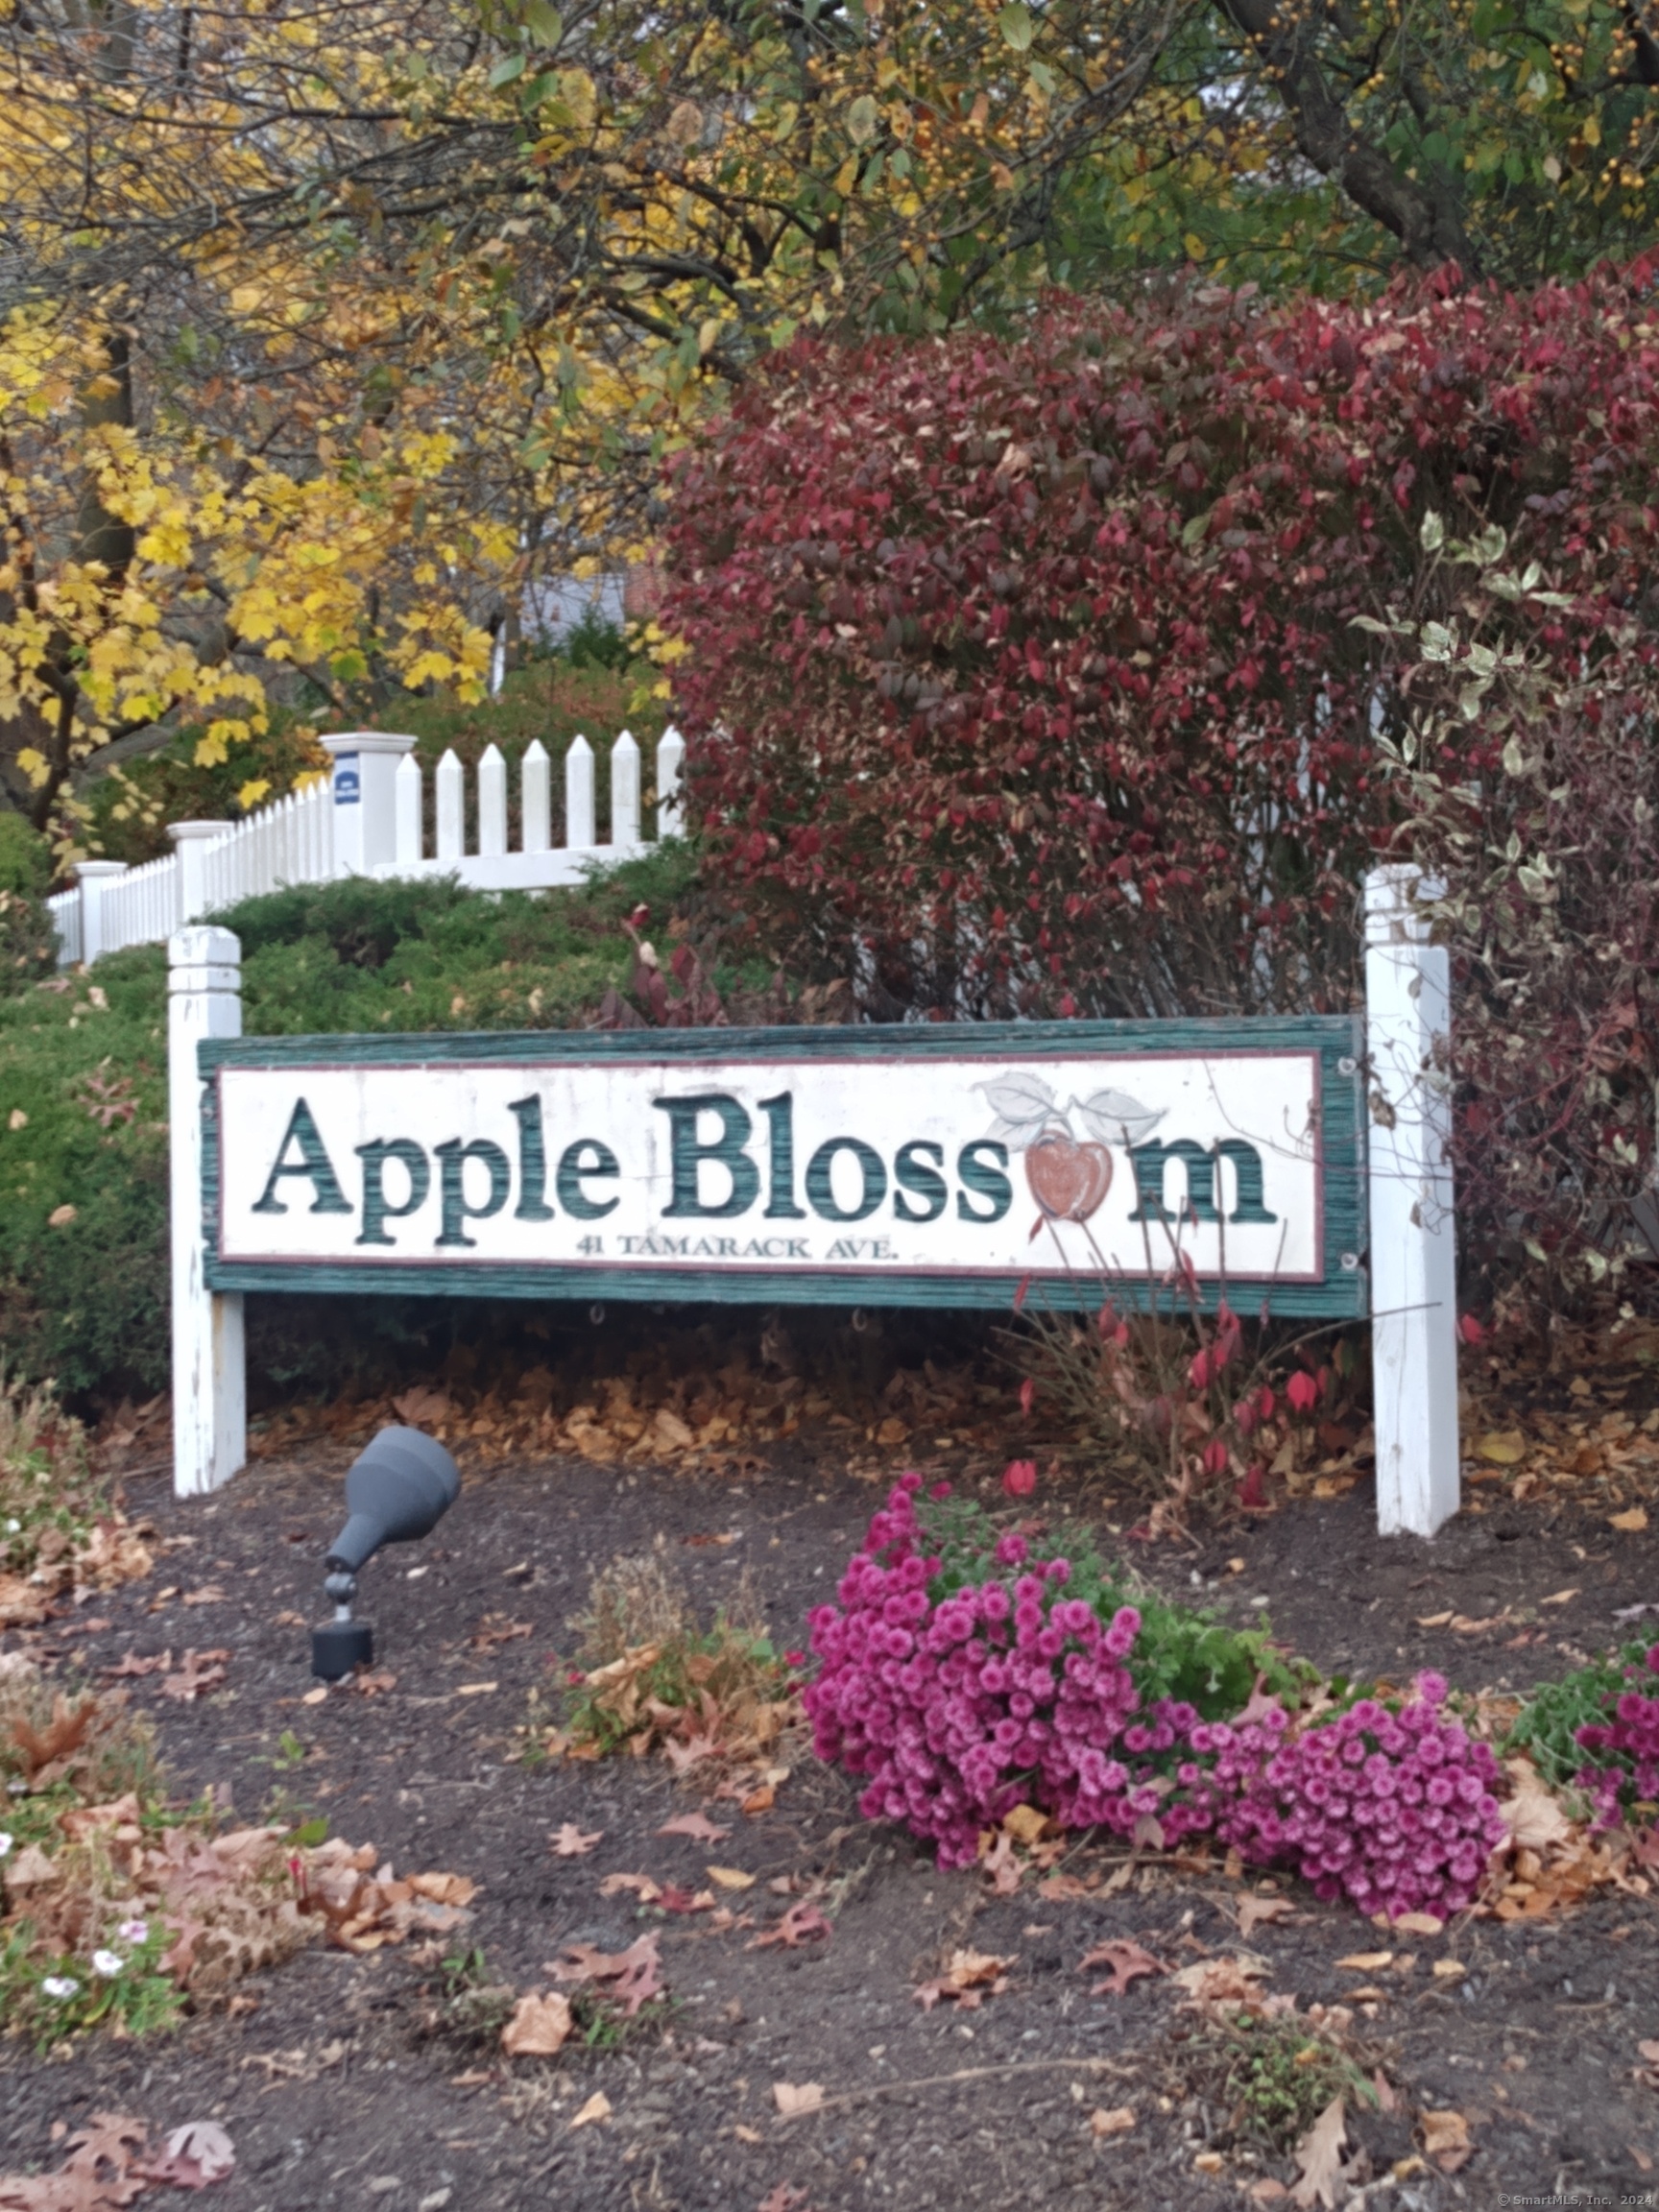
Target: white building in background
x=555 y=605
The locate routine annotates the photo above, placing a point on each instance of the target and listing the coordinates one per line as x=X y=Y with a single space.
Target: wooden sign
x=932 y=1164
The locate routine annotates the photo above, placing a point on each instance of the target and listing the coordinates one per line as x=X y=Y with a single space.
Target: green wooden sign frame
x=1341 y=1293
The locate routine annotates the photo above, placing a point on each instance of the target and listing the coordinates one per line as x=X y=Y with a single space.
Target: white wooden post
x=492 y=803
x=625 y=791
x=411 y=828
x=1413 y=1254
x=670 y=757
x=449 y=788
x=191 y=839
x=92 y=876
x=209 y=1369
x=534 y=799
x=579 y=795
x=365 y=806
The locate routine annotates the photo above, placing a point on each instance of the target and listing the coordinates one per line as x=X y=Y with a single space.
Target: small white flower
x=63 y=1986
x=7 y=1840
x=13 y=1526
x=133 y=1930
x=17 y=1787
x=108 y=1963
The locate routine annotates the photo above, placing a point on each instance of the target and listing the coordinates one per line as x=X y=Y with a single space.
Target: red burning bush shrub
x=1058 y=673
x=1027 y=667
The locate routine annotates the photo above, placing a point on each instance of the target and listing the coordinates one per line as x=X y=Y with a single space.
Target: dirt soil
x=344 y=2085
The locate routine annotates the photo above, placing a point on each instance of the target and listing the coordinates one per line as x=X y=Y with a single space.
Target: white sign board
x=965 y=1166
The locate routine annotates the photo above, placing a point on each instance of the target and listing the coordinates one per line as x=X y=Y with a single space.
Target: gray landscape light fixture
x=398 y=1489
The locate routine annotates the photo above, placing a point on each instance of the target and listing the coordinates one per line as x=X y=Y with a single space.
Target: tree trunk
x=1427 y=220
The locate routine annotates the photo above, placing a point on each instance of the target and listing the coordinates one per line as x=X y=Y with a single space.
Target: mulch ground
x=345 y=2085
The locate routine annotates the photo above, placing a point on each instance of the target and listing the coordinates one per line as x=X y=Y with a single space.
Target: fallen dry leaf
x=1434 y=1620
x=1002 y=1865
x=1501 y=1447
x=597 y=2107
x=539 y=2027
x=970 y=1977
x=295 y=2065
x=641 y=1885
x=445 y=1888
x=1123 y=1963
x=794 y=2097
x=1319 y=2155
x=132 y=1665
x=193 y=2156
x=673 y=1898
x=630 y=1978
x=785 y=2198
x=1253 y=1911
x=1631 y=1523
x=1366 y=1961
x=198 y=1673
x=96 y=2177
x=1117 y=2122
x=759 y=1801
x=1227 y=1980
x=800 y=1924
x=1419 y=1924
x=1449 y=1969
x=570 y=1842
x=1061 y=1889
x=730 y=1877
x=697 y=1825
x=1560 y=1597
x=421 y=1405
x=1531 y=1814
x=1027 y=1825
x=1446 y=2140
x=495 y=1628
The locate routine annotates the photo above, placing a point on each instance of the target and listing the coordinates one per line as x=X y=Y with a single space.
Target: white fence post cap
x=97 y=871
x=185 y=832
x=366 y=741
x=200 y=953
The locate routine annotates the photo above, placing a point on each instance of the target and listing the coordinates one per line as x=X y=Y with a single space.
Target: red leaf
x=803 y=1923
x=1124 y=1963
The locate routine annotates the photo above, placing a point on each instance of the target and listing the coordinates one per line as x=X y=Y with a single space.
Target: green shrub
x=25 y=858
x=83 y=1266
x=593 y=642
x=83 y=1176
x=1547 y=1727
x=27 y=939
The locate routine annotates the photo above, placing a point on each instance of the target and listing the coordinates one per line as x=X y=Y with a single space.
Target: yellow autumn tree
x=325 y=329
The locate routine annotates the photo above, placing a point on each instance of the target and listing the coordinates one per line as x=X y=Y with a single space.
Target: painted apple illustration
x=1069 y=1176
x=1067 y=1180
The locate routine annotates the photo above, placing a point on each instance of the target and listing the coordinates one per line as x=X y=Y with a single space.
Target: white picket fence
x=370 y=819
